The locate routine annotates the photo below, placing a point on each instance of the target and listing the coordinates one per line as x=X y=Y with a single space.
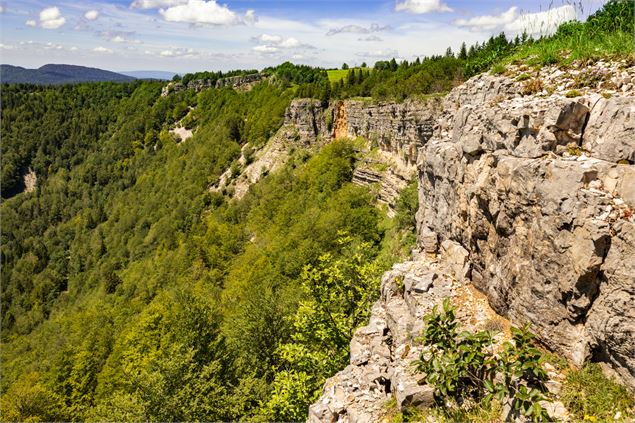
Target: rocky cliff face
x=531 y=193
x=395 y=132
x=541 y=191
x=399 y=128
x=240 y=82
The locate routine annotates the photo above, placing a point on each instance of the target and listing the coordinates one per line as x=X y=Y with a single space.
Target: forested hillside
x=58 y=74
x=131 y=291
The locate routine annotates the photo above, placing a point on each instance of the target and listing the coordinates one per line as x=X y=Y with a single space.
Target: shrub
x=463 y=369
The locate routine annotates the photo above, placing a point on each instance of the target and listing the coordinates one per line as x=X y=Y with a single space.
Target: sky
x=194 y=35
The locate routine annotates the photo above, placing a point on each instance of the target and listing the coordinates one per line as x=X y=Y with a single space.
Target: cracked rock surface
x=540 y=190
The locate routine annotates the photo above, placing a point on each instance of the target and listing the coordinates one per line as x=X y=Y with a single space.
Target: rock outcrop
x=540 y=191
x=398 y=128
x=530 y=198
x=382 y=353
x=387 y=164
x=240 y=82
x=303 y=127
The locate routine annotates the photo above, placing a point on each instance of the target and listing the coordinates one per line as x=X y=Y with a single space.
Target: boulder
x=610 y=131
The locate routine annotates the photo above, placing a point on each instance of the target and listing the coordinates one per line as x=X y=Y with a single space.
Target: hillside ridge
x=58 y=74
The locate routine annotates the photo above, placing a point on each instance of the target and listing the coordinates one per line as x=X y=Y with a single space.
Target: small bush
x=572 y=94
x=498 y=69
x=532 y=86
x=463 y=369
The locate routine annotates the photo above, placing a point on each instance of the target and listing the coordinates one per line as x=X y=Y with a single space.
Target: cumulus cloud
x=1 y=8
x=6 y=47
x=101 y=49
x=266 y=38
x=31 y=23
x=51 y=18
x=370 y=38
x=250 y=16
x=357 y=29
x=513 y=22
x=379 y=54
x=272 y=43
x=265 y=49
x=205 y=12
x=91 y=15
x=155 y=4
x=422 y=6
x=178 y=52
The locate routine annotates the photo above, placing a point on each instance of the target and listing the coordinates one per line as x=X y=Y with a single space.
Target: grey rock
x=550 y=239
x=428 y=240
x=415 y=396
x=610 y=132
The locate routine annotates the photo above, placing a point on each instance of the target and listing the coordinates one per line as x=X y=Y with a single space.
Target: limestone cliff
x=527 y=183
x=541 y=191
x=240 y=82
x=388 y=160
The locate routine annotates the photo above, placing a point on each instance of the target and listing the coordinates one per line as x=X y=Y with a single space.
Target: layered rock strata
x=532 y=197
x=541 y=191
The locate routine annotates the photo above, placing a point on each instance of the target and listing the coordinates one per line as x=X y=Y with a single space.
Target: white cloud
x=250 y=16
x=31 y=23
x=204 y=12
x=422 y=6
x=379 y=54
x=118 y=39
x=91 y=15
x=101 y=49
x=1 y=8
x=51 y=18
x=357 y=29
x=266 y=38
x=155 y=4
x=543 y=23
x=6 y=47
x=290 y=43
x=265 y=49
x=370 y=38
x=489 y=22
x=272 y=43
x=512 y=22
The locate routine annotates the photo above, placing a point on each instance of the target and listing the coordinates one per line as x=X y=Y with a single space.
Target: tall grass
x=607 y=33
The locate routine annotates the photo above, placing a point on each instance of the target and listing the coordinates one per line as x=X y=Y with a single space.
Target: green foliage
x=338 y=296
x=608 y=32
x=590 y=396
x=462 y=366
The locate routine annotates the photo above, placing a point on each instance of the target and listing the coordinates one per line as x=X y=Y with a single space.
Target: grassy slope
x=335 y=75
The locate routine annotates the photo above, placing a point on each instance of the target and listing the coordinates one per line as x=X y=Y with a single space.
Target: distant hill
x=58 y=74
x=150 y=74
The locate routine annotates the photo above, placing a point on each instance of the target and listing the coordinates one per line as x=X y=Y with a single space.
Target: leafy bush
x=463 y=368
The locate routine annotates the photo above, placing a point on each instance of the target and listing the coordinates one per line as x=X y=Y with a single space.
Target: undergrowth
x=590 y=396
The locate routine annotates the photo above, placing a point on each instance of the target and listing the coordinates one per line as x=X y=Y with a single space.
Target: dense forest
x=131 y=292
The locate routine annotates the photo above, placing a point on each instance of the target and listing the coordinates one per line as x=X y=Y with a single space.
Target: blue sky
x=191 y=35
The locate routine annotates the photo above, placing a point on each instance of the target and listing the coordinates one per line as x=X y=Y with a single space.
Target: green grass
x=477 y=413
x=589 y=395
x=606 y=34
x=578 y=46
x=336 y=74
